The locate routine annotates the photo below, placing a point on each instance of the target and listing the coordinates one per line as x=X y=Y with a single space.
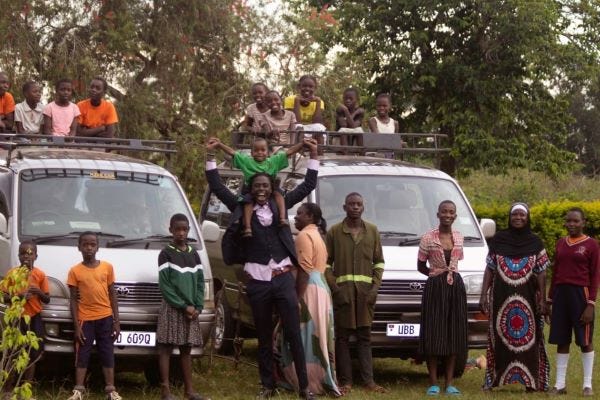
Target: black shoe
x=307 y=395
x=265 y=393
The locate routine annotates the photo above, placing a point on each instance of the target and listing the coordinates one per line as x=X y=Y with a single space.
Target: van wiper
x=395 y=233
x=409 y=241
x=151 y=238
x=74 y=234
x=471 y=239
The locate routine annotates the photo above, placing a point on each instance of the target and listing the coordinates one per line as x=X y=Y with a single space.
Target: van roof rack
x=399 y=143
x=12 y=141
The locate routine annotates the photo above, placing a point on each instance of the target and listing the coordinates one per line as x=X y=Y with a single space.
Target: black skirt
x=443 y=317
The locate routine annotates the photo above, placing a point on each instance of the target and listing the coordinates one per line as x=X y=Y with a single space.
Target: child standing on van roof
x=29 y=116
x=36 y=294
x=258 y=91
x=349 y=117
x=181 y=281
x=307 y=107
x=60 y=116
x=95 y=313
x=572 y=299
x=382 y=123
x=257 y=162
x=7 y=104
x=98 y=115
x=276 y=120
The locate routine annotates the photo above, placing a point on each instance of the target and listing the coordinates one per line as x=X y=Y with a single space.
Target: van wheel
x=224 y=326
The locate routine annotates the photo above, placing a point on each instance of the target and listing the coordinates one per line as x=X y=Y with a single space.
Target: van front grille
x=402 y=287
x=138 y=293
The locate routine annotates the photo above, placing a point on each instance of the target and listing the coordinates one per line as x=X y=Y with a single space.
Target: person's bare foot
x=373 y=387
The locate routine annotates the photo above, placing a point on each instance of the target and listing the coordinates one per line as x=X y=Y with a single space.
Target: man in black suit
x=269 y=257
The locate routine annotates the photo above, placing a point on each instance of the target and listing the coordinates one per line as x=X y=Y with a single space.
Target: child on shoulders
x=276 y=120
x=258 y=91
x=95 y=312
x=60 y=116
x=29 y=114
x=259 y=162
x=7 y=104
x=181 y=282
x=36 y=294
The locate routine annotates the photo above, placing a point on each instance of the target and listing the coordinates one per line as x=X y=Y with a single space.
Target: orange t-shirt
x=92 y=283
x=37 y=278
x=7 y=103
x=92 y=117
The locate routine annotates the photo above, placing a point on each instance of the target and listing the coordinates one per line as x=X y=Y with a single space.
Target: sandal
x=433 y=390
x=452 y=391
x=345 y=389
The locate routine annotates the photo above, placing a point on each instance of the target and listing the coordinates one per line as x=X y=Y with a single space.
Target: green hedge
x=547 y=219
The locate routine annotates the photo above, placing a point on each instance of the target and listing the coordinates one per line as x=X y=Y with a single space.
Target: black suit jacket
x=232 y=246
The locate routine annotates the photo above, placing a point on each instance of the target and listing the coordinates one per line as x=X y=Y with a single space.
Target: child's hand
x=311 y=144
x=588 y=314
x=189 y=312
x=78 y=335
x=34 y=290
x=213 y=144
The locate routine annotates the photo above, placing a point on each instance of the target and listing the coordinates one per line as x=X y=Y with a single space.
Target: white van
x=401 y=199
x=51 y=192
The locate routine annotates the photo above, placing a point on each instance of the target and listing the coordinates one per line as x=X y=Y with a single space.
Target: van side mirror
x=3 y=225
x=210 y=231
x=488 y=227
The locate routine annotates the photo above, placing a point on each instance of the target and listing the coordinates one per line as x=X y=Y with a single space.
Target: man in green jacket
x=354 y=271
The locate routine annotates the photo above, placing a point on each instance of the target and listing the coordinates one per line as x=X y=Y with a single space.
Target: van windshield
x=397 y=205
x=127 y=205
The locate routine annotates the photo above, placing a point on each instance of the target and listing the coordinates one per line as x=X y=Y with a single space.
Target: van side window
x=216 y=211
x=3 y=206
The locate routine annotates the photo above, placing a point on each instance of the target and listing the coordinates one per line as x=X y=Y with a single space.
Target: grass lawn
x=221 y=380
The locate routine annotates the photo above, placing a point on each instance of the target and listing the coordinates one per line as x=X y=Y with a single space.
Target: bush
x=547 y=218
x=15 y=346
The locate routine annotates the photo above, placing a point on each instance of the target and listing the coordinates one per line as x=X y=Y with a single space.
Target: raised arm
x=294 y=149
x=310 y=180
x=217 y=144
x=214 y=179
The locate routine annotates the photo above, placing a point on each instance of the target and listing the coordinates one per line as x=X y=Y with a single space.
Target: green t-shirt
x=249 y=166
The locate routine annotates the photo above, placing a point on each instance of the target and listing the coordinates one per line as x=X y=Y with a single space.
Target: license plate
x=134 y=338
x=403 y=330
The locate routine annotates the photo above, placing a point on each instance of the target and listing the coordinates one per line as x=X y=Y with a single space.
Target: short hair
x=101 y=79
x=446 y=202
x=29 y=243
x=259 y=84
x=259 y=174
x=577 y=209
x=87 y=233
x=259 y=139
x=61 y=81
x=384 y=96
x=352 y=194
x=305 y=77
x=352 y=89
x=28 y=85
x=179 y=217
x=273 y=92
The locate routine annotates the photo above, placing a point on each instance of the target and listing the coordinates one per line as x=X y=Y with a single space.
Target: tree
x=483 y=72
x=171 y=64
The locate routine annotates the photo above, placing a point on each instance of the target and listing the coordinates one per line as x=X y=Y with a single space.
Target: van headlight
x=57 y=288
x=473 y=283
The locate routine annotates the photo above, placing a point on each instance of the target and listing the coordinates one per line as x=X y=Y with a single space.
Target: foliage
x=171 y=65
x=547 y=218
x=484 y=189
x=482 y=72
x=15 y=345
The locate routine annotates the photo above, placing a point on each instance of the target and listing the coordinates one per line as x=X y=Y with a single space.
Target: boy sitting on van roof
x=98 y=116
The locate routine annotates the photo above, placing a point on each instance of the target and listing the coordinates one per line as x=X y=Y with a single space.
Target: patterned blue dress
x=516 y=352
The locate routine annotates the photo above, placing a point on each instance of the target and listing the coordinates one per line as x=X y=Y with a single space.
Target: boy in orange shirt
x=98 y=116
x=95 y=315
x=36 y=294
x=7 y=104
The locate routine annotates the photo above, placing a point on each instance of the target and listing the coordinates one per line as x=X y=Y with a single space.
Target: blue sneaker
x=452 y=391
x=433 y=390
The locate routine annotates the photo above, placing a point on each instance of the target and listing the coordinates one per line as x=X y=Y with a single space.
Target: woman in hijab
x=513 y=297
